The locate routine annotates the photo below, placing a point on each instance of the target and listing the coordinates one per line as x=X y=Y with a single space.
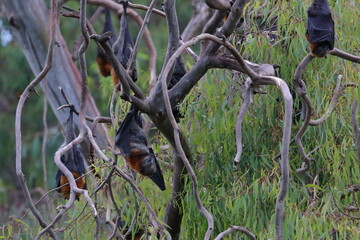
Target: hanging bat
x=102 y=61
x=320 y=28
x=132 y=142
x=73 y=161
x=179 y=72
x=123 y=46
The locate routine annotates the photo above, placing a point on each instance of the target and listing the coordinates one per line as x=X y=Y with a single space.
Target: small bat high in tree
x=73 y=161
x=123 y=46
x=102 y=61
x=132 y=142
x=320 y=28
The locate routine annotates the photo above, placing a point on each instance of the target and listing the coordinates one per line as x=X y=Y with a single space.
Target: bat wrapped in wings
x=133 y=145
x=320 y=28
x=123 y=46
x=102 y=60
x=73 y=161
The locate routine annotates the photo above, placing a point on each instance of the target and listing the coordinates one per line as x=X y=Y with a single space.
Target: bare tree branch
x=219 y=4
x=201 y=15
x=345 y=55
x=339 y=90
x=232 y=229
x=244 y=108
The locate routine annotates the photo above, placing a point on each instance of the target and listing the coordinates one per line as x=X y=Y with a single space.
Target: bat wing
x=320 y=26
x=108 y=26
x=122 y=138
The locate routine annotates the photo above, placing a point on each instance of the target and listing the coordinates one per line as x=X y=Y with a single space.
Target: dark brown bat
x=320 y=28
x=73 y=161
x=123 y=46
x=102 y=61
x=132 y=142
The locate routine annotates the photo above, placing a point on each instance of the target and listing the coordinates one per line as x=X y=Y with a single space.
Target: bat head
x=148 y=166
x=157 y=176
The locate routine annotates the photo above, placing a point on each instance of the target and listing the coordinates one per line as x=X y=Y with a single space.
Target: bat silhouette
x=72 y=160
x=123 y=46
x=132 y=142
x=320 y=28
x=102 y=60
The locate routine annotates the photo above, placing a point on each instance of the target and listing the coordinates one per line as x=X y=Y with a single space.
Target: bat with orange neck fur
x=73 y=161
x=133 y=145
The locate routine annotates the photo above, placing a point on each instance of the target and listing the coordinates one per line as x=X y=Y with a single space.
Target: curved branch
x=284 y=164
x=243 y=110
x=232 y=229
x=339 y=90
x=96 y=120
x=179 y=148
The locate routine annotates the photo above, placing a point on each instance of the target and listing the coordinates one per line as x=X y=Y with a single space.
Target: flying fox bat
x=132 y=142
x=123 y=46
x=320 y=28
x=73 y=161
x=102 y=61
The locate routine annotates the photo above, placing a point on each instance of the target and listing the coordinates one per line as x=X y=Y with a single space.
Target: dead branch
x=223 y=5
x=284 y=164
x=338 y=91
x=244 y=108
x=97 y=119
x=232 y=229
x=345 y=55
x=300 y=88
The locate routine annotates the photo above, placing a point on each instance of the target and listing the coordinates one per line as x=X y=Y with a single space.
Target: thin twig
x=97 y=119
x=339 y=90
x=243 y=110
